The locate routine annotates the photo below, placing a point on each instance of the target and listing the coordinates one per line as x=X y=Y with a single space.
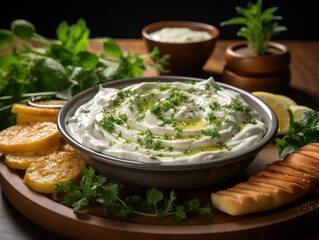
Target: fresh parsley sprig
x=300 y=133
x=95 y=189
x=63 y=65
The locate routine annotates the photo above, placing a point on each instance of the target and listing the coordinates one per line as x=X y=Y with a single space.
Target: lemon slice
x=286 y=99
x=289 y=101
x=280 y=108
x=298 y=111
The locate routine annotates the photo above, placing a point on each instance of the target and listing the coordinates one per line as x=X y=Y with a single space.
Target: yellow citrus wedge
x=286 y=99
x=298 y=111
x=280 y=108
x=289 y=101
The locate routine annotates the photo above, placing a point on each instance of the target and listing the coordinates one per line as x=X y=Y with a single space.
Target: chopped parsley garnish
x=212 y=119
x=223 y=145
x=156 y=109
x=178 y=129
x=217 y=87
x=163 y=87
x=237 y=105
x=168 y=121
x=215 y=105
x=191 y=82
x=140 y=116
x=213 y=133
x=108 y=122
x=84 y=110
x=116 y=103
x=153 y=157
x=124 y=94
x=177 y=98
x=147 y=140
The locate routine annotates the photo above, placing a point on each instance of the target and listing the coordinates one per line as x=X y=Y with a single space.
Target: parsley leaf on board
x=95 y=189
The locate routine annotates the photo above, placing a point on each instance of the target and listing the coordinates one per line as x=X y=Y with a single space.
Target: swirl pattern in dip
x=167 y=122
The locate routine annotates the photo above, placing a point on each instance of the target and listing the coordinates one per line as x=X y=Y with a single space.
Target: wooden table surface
x=304 y=89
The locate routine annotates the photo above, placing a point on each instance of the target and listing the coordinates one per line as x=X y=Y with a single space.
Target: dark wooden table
x=304 y=89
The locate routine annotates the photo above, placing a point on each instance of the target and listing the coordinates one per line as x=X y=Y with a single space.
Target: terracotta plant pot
x=269 y=72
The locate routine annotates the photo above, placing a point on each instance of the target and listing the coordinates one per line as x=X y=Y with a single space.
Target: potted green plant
x=257 y=64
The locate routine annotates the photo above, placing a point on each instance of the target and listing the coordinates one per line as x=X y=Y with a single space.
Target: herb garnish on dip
x=167 y=122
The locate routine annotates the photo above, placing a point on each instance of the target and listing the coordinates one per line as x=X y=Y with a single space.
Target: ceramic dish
x=167 y=175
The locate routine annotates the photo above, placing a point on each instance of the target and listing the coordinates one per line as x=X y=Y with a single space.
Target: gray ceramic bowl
x=172 y=175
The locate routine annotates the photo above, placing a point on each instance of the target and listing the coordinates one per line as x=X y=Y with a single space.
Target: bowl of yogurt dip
x=167 y=132
x=189 y=44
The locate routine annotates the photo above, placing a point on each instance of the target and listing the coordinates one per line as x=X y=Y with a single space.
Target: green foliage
x=22 y=29
x=259 y=26
x=300 y=133
x=38 y=64
x=95 y=189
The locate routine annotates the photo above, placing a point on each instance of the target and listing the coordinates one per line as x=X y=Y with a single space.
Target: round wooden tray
x=289 y=221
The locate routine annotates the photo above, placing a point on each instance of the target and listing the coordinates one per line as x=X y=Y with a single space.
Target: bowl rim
x=69 y=108
x=146 y=30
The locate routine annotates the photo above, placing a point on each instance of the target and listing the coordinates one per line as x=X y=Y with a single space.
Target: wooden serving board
x=290 y=221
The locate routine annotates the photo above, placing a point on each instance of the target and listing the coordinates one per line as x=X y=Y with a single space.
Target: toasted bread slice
x=290 y=171
x=279 y=183
x=301 y=167
x=310 y=147
x=300 y=158
x=310 y=154
x=303 y=182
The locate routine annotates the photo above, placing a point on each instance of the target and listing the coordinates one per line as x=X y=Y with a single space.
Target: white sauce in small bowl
x=180 y=35
x=167 y=122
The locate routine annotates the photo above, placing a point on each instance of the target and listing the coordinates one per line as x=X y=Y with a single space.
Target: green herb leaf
x=50 y=74
x=87 y=60
x=62 y=31
x=153 y=197
x=6 y=38
x=22 y=29
x=112 y=48
x=300 y=133
x=95 y=189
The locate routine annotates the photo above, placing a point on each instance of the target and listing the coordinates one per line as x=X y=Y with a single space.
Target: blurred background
x=119 y=19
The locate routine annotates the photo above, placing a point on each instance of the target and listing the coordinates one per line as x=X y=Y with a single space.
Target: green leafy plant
x=94 y=189
x=259 y=26
x=300 y=133
x=63 y=67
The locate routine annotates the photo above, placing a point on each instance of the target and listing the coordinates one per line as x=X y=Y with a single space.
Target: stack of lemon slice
x=280 y=104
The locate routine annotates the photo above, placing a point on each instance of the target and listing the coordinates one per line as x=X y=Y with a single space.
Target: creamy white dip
x=180 y=35
x=167 y=122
